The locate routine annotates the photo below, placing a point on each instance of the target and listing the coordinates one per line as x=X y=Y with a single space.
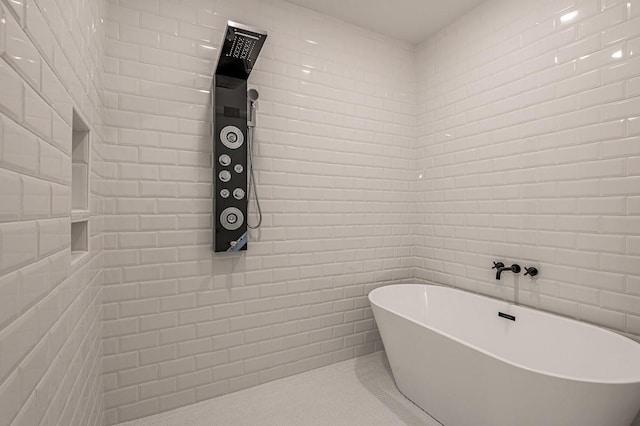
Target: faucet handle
x=532 y=272
x=497 y=265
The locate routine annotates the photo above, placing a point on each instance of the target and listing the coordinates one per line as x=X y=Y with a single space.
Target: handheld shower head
x=253 y=95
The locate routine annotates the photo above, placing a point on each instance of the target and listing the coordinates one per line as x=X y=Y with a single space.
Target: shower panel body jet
x=238 y=54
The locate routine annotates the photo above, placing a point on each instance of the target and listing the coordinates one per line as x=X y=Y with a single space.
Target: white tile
x=121 y=396
x=2 y=30
x=138 y=70
x=37 y=114
x=32 y=369
x=337 y=155
x=633 y=8
x=19 y=244
x=621 y=225
x=633 y=324
x=40 y=32
x=159 y=354
x=137 y=137
x=157 y=388
x=52 y=162
x=10 y=194
x=610 y=319
x=11 y=99
x=628 y=29
x=19 y=50
x=633 y=245
x=158 y=23
x=59 y=265
x=633 y=86
x=158 y=156
x=61 y=134
x=633 y=48
x=604 y=94
x=36 y=198
x=580 y=83
x=9 y=398
x=579 y=12
x=16 y=340
x=60 y=200
x=137 y=410
x=604 y=20
x=608 y=243
x=9 y=300
x=579 y=48
x=55 y=93
x=27 y=416
x=18 y=7
x=604 y=280
x=20 y=148
x=619 y=301
x=620 y=148
x=623 y=70
x=178 y=13
x=138 y=103
x=178 y=44
x=53 y=235
x=609 y=56
x=137 y=36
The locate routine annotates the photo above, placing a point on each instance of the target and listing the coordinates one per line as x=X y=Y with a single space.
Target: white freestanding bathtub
x=453 y=355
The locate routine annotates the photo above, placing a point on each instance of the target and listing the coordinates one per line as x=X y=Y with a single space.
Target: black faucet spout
x=513 y=268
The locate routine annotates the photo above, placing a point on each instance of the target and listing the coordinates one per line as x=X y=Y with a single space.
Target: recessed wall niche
x=80 y=165
x=80 y=172
x=79 y=238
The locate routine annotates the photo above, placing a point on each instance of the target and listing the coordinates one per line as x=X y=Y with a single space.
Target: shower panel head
x=240 y=49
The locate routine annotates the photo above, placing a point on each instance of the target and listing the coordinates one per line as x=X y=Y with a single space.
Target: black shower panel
x=230 y=136
x=230 y=164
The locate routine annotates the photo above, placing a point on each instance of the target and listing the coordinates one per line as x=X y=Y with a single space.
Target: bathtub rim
x=635 y=381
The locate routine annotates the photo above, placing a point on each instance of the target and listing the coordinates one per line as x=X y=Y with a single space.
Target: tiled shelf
x=80 y=164
x=79 y=215
x=79 y=239
x=80 y=171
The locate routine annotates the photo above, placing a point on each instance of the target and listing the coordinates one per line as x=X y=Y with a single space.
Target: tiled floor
x=359 y=391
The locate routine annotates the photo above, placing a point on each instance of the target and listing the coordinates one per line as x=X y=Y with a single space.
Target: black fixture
x=500 y=269
x=497 y=265
x=532 y=272
x=506 y=316
x=238 y=54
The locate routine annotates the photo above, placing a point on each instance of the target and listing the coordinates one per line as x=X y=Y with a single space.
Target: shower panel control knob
x=224 y=160
x=231 y=218
x=238 y=193
x=224 y=193
x=225 y=176
x=231 y=137
x=238 y=168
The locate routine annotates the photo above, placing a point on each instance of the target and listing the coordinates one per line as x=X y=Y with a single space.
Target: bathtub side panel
x=461 y=386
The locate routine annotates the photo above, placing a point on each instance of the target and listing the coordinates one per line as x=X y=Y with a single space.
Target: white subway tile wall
x=528 y=152
x=51 y=56
x=333 y=160
x=513 y=134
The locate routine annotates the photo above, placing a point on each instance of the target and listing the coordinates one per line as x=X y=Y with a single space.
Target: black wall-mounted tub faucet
x=500 y=268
